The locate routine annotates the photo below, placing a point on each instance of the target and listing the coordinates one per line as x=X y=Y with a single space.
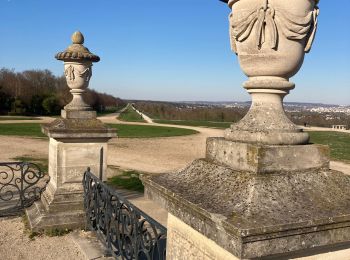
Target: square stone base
x=41 y=219
x=183 y=242
x=69 y=159
x=261 y=159
x=61 y=204
x=257 y=215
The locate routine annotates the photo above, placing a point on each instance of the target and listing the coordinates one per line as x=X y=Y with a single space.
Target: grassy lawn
x=194 y=123
x=127 y=180
x=129 y=131
x=130 y=115
x=21 y=129
x=2 y=118
x=339 y=143
x=147 y=131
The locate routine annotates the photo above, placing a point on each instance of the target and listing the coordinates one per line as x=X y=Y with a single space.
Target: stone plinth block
x=186 y=243
x=257 y=158
x=73 y=114
x=253 y=215
x=75 y=144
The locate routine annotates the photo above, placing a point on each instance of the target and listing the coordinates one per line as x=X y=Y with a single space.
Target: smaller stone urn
x=78 y=71
x=78 y=140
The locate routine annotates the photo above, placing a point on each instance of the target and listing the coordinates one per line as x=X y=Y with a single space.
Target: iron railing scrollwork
x=21 y=183
x=126 y=231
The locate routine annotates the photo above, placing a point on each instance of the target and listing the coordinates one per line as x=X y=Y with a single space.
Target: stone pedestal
x=75 y=144
x=253 y=214
x=264 y=159
x=77 y=141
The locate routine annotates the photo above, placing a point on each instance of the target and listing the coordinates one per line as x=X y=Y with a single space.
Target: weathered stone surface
x=62 y=128
x=40 y=219
x=254 y=215
x=77 y=114
x=183 y=242
x=262 y=159
x=266 y=121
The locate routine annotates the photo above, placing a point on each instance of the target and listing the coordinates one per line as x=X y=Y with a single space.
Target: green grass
x=41 y=162
x=3 y=118
x=21 y=129
x=195 y=123
x=127 y=180
x=130 y=115
x=147 y=131
x=126 y=131
x=338 y=142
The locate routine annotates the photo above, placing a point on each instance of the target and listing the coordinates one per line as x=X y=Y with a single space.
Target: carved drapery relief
x=71 y=72
x=86 y=74
x=266 y=19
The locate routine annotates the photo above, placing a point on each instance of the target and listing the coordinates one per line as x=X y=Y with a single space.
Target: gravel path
x=14 y=146
x=16 y=244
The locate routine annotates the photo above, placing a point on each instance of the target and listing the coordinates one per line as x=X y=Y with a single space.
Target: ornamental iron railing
x=126 y=231
x=21 y=183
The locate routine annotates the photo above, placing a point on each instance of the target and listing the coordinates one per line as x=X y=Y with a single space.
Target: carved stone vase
x=78 y=71
x=78 y=75
x=270 y=38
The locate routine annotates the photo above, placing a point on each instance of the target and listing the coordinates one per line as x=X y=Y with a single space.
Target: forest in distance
x=39 y=92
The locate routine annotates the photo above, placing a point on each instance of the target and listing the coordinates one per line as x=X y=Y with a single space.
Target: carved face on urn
x=78 y=74
x=271 y=36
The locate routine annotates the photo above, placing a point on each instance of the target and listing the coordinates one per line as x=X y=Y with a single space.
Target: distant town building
x=339 y=127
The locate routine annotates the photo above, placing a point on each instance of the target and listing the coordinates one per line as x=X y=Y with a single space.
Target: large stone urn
x=262 y=190
x=270 y=38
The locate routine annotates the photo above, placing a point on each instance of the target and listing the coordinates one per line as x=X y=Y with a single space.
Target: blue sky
x=173 y=50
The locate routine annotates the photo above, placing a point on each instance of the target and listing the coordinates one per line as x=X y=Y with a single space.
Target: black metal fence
x=21 y=184
x=126 y=231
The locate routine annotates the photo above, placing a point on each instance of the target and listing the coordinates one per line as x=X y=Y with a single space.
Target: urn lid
x=77 y=51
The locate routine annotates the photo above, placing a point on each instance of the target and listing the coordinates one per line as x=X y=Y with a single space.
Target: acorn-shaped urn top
x=77 y=51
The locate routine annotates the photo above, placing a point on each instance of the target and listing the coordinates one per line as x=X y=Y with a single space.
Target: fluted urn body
x=270 y=38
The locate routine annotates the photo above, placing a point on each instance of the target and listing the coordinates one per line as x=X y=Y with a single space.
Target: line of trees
x=175 y=111
x=39 y=92
x=180 y=111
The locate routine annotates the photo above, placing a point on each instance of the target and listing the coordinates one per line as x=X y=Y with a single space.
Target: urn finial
x=77 y=51
x=77 y=38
